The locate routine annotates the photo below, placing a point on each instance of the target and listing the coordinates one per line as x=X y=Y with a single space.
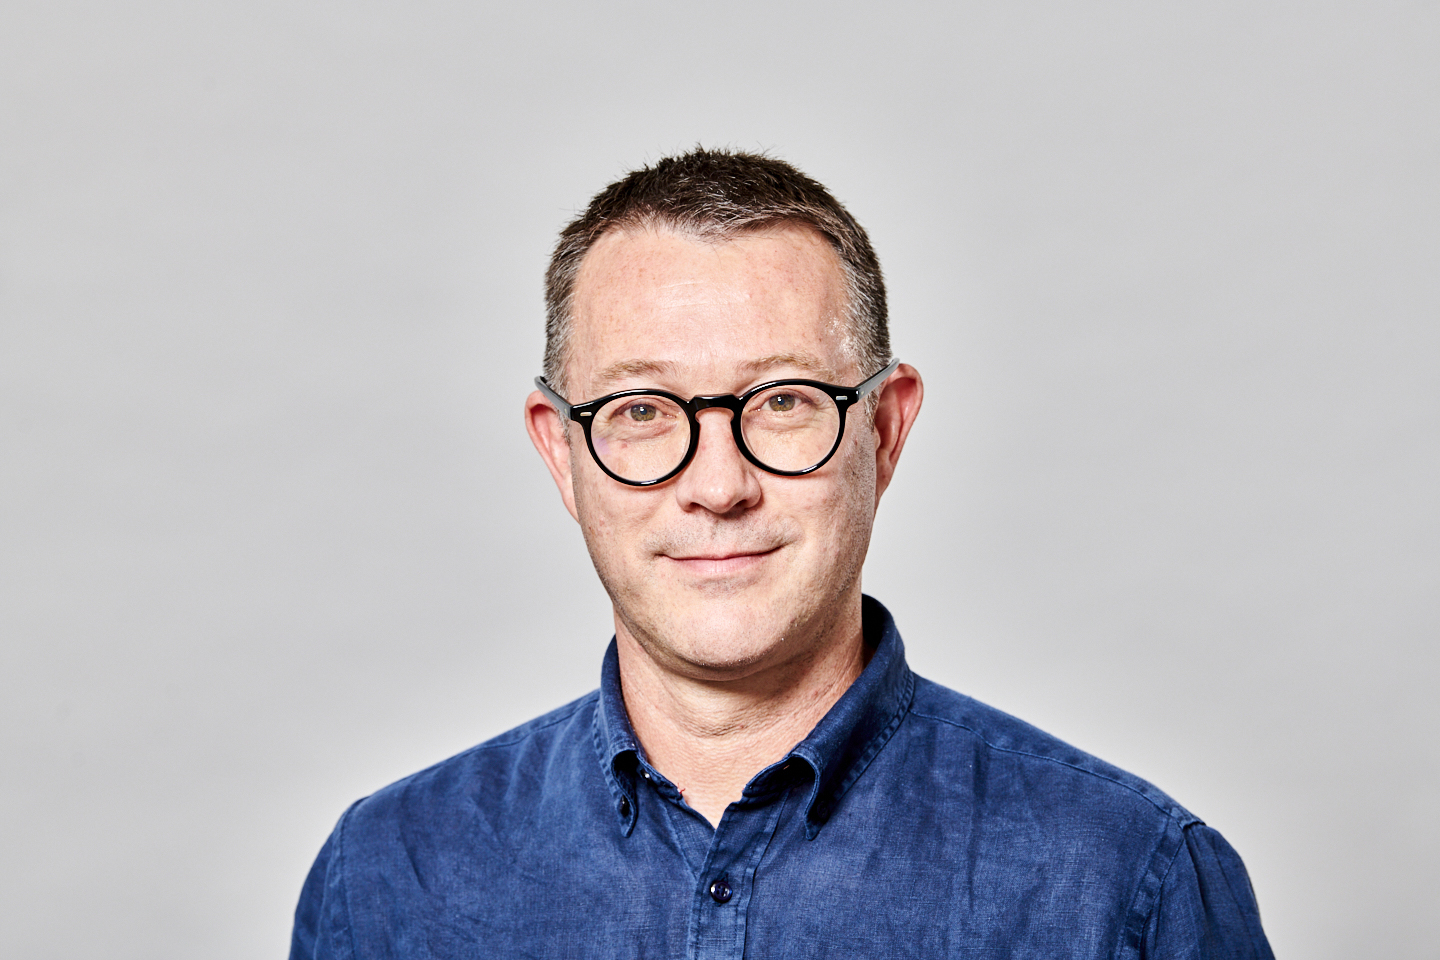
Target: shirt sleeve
x=1206 y=910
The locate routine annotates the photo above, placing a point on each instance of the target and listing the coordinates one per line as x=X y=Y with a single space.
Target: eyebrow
x=624 y=369
x=804 y=361
x=658 y=369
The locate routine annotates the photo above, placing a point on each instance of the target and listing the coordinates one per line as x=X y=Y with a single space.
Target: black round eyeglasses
x=786 y=427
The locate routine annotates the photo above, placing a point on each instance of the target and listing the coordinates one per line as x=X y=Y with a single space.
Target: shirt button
x=624 y=807
x=720 y=890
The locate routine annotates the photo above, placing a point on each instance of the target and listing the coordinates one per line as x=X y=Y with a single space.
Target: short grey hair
x=716 y=195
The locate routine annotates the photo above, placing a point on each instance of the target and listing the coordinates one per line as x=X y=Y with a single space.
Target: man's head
x=715 y=196
x=724 y=569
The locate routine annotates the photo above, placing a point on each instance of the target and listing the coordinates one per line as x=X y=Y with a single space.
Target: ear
x=895 y=413
x=542 y=422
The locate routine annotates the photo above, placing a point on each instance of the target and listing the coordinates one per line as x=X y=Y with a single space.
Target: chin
x=726 y=634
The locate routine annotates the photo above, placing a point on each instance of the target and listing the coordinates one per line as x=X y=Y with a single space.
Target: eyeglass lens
x=788 y=427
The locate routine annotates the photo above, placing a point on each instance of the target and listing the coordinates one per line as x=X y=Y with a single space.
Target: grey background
x=271 y=533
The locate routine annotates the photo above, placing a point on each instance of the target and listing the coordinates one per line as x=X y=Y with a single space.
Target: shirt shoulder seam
x=1143 y=915
x=510 y=737
x=1171 y=814
x=528 y=729
x=340 y=879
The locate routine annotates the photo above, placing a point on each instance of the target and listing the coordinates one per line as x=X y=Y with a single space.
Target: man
x=759 y=774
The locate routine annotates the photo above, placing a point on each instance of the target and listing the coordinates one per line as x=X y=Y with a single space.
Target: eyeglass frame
x=844 y=398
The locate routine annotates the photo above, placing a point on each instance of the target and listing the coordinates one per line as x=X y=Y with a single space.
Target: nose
x=719 y=478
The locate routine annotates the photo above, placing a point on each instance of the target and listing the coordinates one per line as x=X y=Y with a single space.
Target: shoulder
x=1123 y=847
x=490 y=775
x=1051 y=771
x=470 y=814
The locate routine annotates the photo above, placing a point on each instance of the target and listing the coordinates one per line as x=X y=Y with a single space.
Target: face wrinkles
x=725 y=568
x=685 y=293
x=717 y=320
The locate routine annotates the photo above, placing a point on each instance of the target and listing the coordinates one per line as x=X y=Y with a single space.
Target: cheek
x=589 y=500
x=853 y=507
x=609 y=513
x=838 y=514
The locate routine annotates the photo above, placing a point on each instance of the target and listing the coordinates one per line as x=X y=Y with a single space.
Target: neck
x=710 y=736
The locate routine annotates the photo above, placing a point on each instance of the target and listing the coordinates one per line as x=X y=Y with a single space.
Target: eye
x=641 y=412
x=781 y=402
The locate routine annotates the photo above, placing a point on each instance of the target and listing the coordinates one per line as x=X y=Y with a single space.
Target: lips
x=722 y=548
x=721 y=562
x=724 y=554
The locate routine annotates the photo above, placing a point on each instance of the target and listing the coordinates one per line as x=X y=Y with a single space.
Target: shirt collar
x=615 y=739
x=836 y=751
x=864 y=718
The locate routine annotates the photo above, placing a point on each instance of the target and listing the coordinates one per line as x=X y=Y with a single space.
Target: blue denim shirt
x=911 y=822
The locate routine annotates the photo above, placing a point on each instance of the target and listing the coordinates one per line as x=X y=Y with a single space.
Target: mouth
x=720 y=563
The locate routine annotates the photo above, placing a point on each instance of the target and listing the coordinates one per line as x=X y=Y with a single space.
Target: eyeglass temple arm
x=876 y=380
x=560 y=402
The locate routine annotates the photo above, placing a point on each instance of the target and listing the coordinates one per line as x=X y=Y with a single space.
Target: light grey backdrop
x=272 y=534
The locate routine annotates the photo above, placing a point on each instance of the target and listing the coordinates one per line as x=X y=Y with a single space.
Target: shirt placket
x=725 y=887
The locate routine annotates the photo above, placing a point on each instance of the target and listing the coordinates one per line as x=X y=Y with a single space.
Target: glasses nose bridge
x=717 y=401
x=724 y=401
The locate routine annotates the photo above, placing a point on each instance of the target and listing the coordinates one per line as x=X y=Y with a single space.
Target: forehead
x=654 y=300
